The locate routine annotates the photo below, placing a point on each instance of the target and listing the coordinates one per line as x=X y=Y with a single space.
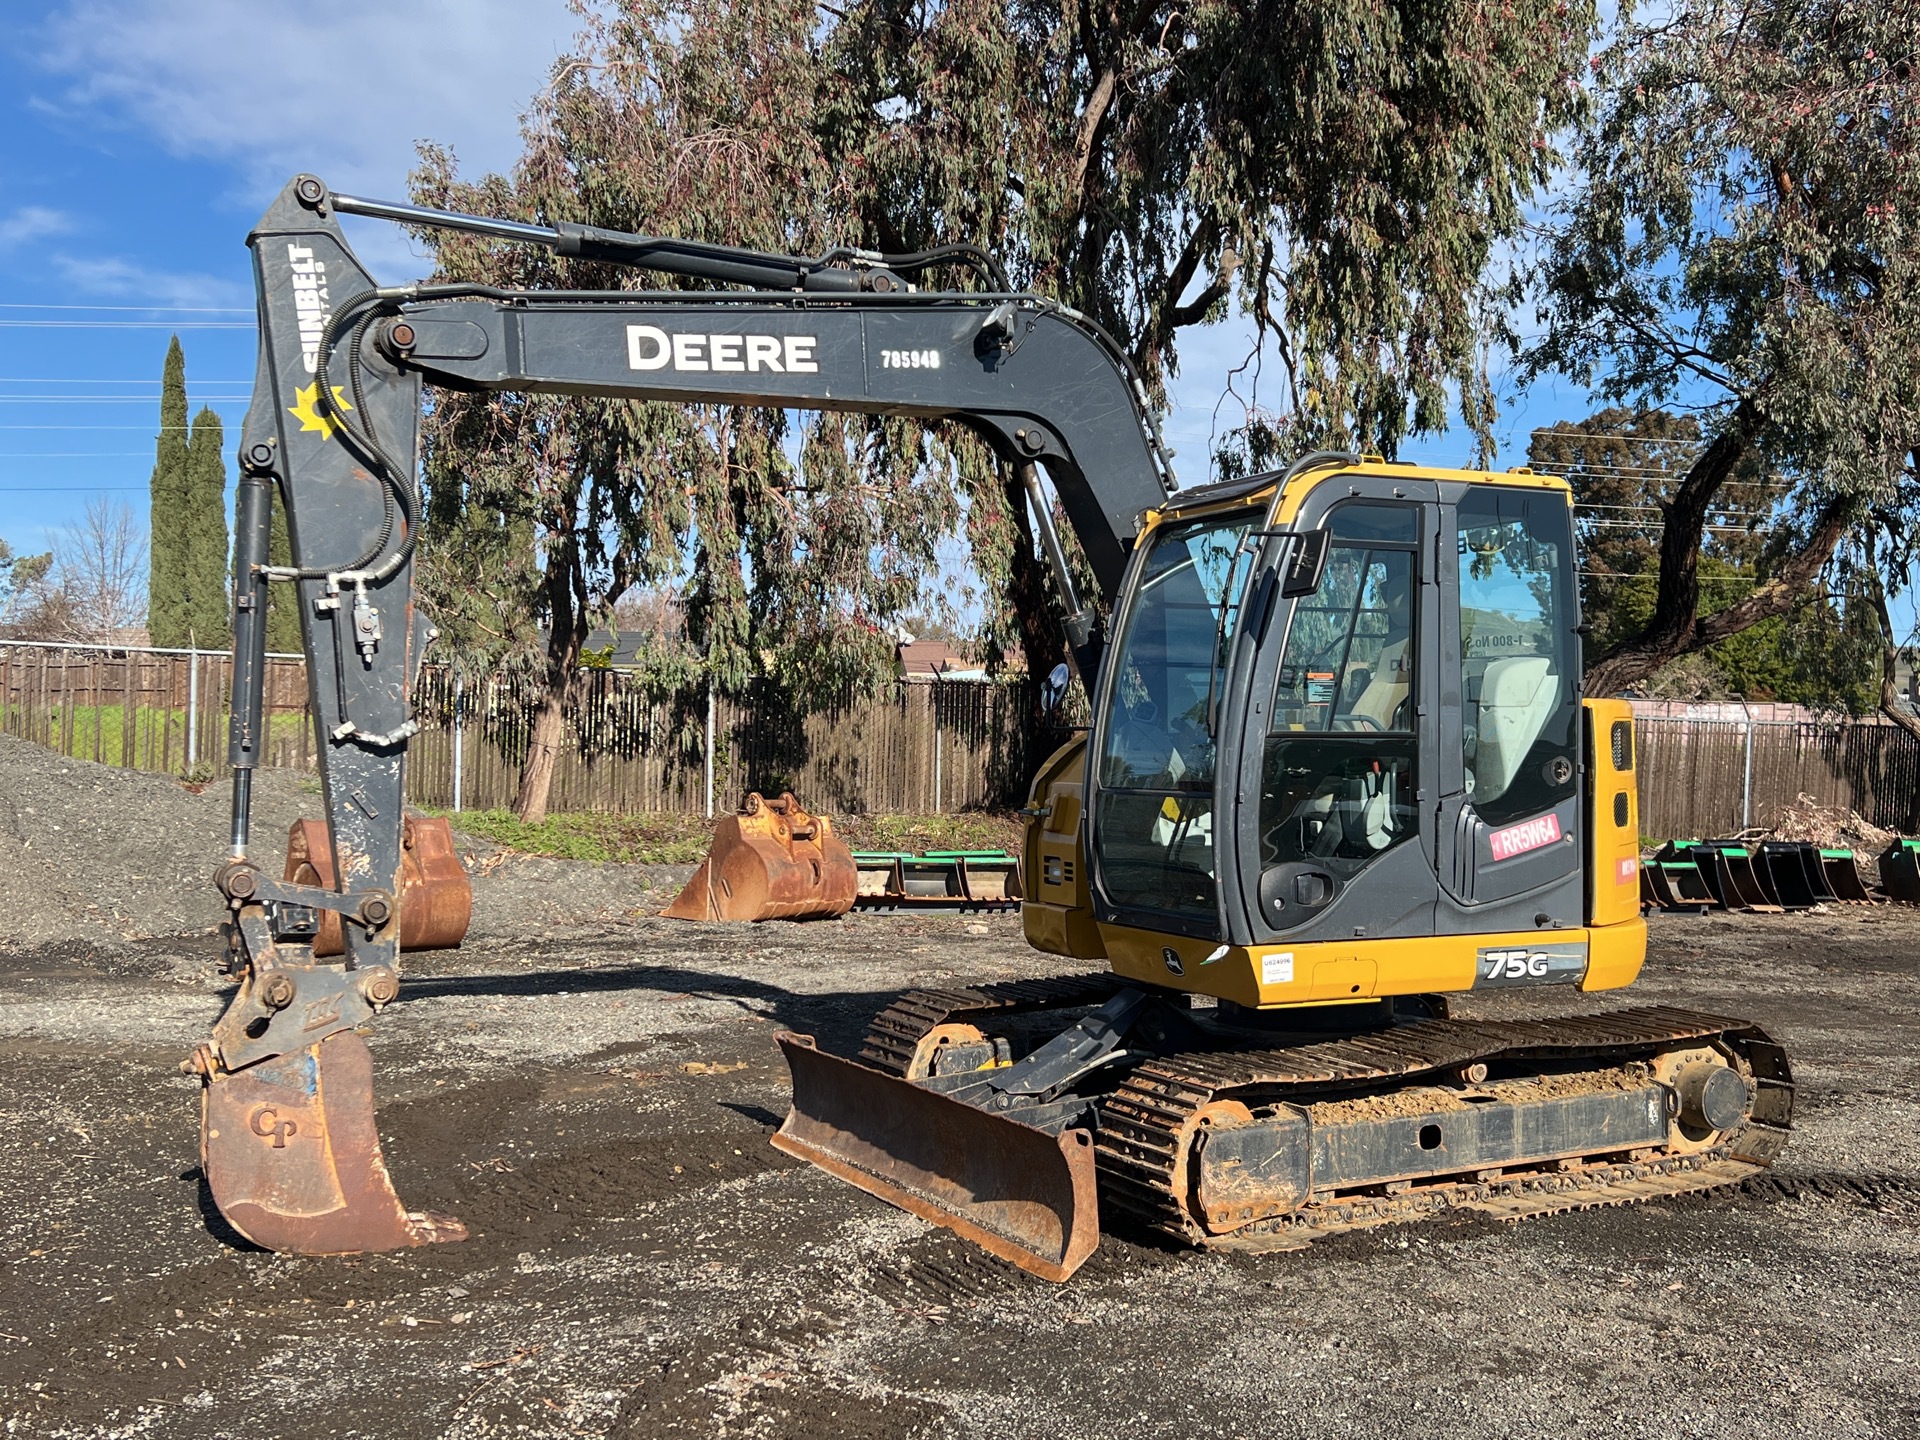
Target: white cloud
x=343 y=90
x=32 y=222
x=115 y=278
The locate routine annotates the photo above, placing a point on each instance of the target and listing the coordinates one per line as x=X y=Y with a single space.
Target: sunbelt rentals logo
x=312 y=309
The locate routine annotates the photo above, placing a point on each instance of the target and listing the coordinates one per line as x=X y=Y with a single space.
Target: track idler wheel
x=293 y=1159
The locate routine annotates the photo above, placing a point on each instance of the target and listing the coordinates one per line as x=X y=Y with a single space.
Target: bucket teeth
x=293 y=1160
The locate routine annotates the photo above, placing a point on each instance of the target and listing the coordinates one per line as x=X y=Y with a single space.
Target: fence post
x=709 y=760
x=193 y=709
x=457 y=734
x=934 y=694
x=1746 y=782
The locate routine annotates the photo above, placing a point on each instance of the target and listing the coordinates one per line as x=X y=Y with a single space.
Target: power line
x=144 y=380
x=69 y=454
x=136 y=309
x=1631 y=439
x=127 y=324
x=110 y=399
x=64 y=489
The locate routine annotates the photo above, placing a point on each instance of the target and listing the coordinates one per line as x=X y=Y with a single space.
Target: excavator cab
x=1392 y=754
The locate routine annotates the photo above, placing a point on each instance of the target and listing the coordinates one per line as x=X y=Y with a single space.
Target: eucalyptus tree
x=1740 y=244
x=1339 y=171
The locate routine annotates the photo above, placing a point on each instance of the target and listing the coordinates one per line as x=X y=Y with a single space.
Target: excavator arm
x=290 y=1151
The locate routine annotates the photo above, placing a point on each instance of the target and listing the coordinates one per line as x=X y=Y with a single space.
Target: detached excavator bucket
x=293 y=1159
x=772 y=861
x=1015 y=1191
x=436 y=897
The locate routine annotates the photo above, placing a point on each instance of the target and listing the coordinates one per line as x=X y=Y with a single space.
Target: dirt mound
x=96 y=853
x=1830 y=827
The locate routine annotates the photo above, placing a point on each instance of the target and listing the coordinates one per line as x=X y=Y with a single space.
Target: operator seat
x=1516 y=696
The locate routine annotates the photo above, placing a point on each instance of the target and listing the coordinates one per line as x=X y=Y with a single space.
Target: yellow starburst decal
x=306 y=409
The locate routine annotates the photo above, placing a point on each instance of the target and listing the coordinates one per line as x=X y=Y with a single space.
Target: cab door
x=1508 y=766
x=1336 y=698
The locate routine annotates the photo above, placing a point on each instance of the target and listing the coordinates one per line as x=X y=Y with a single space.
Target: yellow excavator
x=1339 y=769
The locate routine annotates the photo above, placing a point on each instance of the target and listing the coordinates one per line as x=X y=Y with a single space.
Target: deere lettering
x=651 y=348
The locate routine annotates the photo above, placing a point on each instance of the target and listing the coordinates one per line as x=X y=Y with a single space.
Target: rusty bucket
x=436 y=898
x=772 y=861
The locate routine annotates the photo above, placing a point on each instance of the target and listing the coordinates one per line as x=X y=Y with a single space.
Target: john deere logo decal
x=1172 y=957
x=306 y=409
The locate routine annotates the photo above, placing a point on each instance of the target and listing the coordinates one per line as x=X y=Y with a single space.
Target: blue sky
x=143 y=137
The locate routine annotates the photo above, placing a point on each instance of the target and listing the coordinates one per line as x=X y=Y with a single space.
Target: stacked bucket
x=1773 y=877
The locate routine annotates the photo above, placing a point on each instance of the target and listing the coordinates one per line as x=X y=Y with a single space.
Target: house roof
x=930 y=659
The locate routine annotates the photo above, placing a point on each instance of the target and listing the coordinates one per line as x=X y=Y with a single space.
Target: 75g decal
x=1560 y=964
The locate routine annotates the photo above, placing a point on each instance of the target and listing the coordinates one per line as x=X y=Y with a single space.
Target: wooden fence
x=1694 y=773
x=911 y=749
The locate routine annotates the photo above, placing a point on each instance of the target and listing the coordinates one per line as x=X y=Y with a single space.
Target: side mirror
x=1055 y=689
x=1307 y=564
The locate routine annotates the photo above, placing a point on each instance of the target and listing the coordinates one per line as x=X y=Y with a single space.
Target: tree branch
x=1669 y=631
x=1890 y=706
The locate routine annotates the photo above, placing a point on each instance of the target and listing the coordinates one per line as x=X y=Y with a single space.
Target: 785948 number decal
x=1560 y=964
x=909 y=359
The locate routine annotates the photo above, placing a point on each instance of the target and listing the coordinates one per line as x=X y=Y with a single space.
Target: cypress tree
x=167 y=537
x=209 y=606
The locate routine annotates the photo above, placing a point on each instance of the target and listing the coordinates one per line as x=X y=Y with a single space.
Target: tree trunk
x=1668 y=630
x=566 y=635
x=1890 y=706
x=1676 y=627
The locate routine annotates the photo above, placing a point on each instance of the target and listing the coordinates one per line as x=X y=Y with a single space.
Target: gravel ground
x=644 y=1264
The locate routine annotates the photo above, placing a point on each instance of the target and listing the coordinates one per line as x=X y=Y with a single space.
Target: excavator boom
x=292 y=1154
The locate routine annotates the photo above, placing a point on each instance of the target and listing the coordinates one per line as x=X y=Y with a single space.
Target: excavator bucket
x=292 y=1157
x=1842 y=871
x=1014 y=1190
x=436 y=898
x=772 y=861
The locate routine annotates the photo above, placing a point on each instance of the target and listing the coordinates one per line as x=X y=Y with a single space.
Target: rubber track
x=897 y=1030
x=1146 y=1125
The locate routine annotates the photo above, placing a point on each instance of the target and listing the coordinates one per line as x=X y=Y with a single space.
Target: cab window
x=1337 y=785
x=1153 y=826
x=1519 y=690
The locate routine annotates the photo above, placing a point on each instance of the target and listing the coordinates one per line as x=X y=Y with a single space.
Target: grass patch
x=622 y=839
x=156 y=734
x=968 y=830
x=683 y=839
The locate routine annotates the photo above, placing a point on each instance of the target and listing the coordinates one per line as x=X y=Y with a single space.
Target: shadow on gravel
x=838 y=1019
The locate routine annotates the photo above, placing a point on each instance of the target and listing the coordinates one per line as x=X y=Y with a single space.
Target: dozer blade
x=293 y=1159
x=1015 y=1191
x=772 y=861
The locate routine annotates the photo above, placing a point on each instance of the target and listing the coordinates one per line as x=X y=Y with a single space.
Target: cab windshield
x=1153 y=827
